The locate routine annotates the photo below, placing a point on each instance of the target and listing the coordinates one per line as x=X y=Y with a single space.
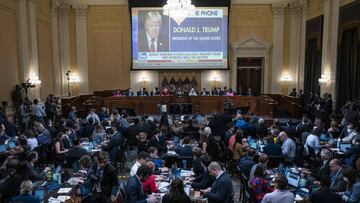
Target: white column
x=334 y=47
x=63 y=11
x=81 y=47
x=34 y=65
x=278 y=46
x=302 y=48
x=56 y=50
x=296 y=9
x=23 y=41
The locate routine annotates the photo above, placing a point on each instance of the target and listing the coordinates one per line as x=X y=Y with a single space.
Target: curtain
x=312 y=69
x=348 y=68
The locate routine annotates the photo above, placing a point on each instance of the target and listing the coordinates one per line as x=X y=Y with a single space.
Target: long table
x=261 y=105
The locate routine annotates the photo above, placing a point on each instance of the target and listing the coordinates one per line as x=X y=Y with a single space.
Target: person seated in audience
x=259 y=184
x=104 y=178
x=115 y=144
x=271 y=148
x=185 y=149
x=352 y=193
x=260 y=128
x=198 y=168
x=247 y=162
x=334 y=130
x=176 y=129
x=3 y=135
x=99 y=134
x=58 y=147
x=275 y=127
x=149 y=185
x=66 y=140
x=192 y=130
x=31 y=140
x=324 y=169
x=153 y=156
x=103 y=114
x=324 y=194
x=293 y=93
x=77 y=151
x=232 y=139
x=280 y=194
x=92 y=114
x=352 y=133
x=72 y=114
x=155 y=92
x=229 y=93
x=192 y=92
x=159 y=141
x=142 y=144
x=142 y=92
x=336 y=174
x=222 y=189
x=141 y=160
x=32 y=172
x=134 y=192
x=211 y=147
x=238 y=149
x=165 y=92
x=176 y=193
x=312 y=144
x=205 y=180
x=352 y=155
x=26 y=189
x=288 y=147
x=43 y=136
x=24 y=147
x=304 y=124
x=10 y=185
x=263 y=160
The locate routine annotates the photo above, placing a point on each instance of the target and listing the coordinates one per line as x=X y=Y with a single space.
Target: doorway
x=249 y=74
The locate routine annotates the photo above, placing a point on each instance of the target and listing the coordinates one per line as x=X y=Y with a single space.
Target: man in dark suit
x=222 y=189
x=247 y=162
x=77 y=151
x=134 y=189
x=338 y=183
x=103 y=177
x=324 y=194
x=116 y=142
x=142 y=92
x=150 y=39
x=324 y=169
x=186 y=149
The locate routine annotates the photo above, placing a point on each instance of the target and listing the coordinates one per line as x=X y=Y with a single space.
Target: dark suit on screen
x=162 y=43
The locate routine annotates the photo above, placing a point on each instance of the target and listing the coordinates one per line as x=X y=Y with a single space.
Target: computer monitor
x=344 y=147
x=253 y=145
x=2 y=148
x=293 y=178
x=40 y=194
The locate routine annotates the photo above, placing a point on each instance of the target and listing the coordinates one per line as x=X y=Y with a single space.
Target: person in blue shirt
x=25 y=196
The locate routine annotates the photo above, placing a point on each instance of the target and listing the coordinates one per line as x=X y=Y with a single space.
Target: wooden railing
x=291 y=105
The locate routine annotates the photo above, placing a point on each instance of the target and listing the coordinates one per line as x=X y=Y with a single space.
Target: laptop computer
x=2 y=148
x=293 y=179
x=344 y=147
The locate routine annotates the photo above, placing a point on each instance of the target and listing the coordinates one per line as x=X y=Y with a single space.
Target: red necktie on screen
x=152 y=46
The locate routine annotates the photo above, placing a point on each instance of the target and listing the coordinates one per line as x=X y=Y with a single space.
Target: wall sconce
x=74 y=78
x=34 y=79
x=325 y=79
x=285 y=80
x=144 y=79
x=215 y=78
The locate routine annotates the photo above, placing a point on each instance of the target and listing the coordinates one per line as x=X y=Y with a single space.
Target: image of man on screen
x=151 y=39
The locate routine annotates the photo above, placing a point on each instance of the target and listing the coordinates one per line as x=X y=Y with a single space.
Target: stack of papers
x=64 y=190
x=59 y=199
x=186 y=173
